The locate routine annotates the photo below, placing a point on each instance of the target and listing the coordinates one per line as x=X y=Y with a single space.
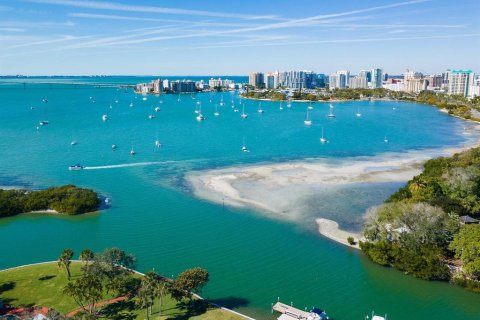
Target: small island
x=67 y=199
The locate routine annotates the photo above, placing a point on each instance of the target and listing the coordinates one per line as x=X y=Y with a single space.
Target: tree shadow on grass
x=121 y=310
x=191 y=309
x=46 y=278
x=230 y=302
x=7 y=286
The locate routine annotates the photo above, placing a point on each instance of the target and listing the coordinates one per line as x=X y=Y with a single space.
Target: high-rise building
x=157 y=86
x=358 y=82
x=183 y=86
x=459 y=82
x=256 y=79
x=300 y=79
x=339 y=79
x=377 y=78
x=272 y=80
x=321 y=80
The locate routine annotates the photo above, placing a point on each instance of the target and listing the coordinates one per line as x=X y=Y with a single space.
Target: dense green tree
x=188 y=282
x=466 y=246
x=65 y=260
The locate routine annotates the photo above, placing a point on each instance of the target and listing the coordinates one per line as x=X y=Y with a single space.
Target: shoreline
x=326 y=101
x=279 y=190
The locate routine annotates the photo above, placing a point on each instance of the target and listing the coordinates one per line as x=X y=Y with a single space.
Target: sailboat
x=330 y=114
x=132 y=151
x=289 y=104
x=358 y=114
x=114 y=146
x=104 y=117
x=200 y=116
x=323 y=139
x=260 y=110
x=307 y=121
x=157 y=143
x=157 y=109
x=243 y=115
x=281 y=105
x=221 y=101
x=73 y=143
x=131 y=104
x=178 y=100
x=144 y=98
x=244 y=147
x=216 y=113
x=151 y=116
x=385 y=139
x=310 y=106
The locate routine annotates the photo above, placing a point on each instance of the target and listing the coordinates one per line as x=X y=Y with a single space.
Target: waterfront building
x=300 y=79
x=413 y=81
x=377 y=78
x=321 y=80
x=144 y=88
x=157 y=86
x=166 y=84
x=219 y=83
x=182 y=86
x=460 y=81
x=435 y=81
x=256 y=79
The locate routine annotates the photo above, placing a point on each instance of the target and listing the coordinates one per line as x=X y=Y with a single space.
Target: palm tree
x=65 y=260
x=148 y=291
x=86 y=256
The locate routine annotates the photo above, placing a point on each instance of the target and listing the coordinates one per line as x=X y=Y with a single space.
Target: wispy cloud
x=357 y=40
x=61 y=39
x=37 y=24
x=113 y=6
x=12 y=29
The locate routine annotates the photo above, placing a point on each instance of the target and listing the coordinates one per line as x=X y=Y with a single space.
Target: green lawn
x=42 y=285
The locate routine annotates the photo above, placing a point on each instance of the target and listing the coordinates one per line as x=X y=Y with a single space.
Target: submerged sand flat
x=282 y=190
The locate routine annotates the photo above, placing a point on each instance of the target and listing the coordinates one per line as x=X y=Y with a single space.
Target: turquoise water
x=252 y=259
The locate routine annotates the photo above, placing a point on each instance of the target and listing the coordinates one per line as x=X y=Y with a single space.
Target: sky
x=191 y=37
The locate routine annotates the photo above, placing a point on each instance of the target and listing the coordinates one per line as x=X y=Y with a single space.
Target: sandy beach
x=281 y=190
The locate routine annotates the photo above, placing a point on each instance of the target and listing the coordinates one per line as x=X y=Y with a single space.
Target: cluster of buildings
x=159 y=86
x=454 y=82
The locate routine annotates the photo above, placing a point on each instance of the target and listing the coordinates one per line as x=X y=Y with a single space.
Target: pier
x=291 y=313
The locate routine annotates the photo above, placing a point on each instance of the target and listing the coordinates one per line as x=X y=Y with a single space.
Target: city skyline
x=70 y=37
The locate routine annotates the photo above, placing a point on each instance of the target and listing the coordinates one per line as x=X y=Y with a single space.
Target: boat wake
x=125 y=165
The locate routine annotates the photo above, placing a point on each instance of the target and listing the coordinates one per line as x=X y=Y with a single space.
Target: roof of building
x=462 y=71
x=468 y=219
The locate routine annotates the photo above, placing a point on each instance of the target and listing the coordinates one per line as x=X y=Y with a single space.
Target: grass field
x=42 y=285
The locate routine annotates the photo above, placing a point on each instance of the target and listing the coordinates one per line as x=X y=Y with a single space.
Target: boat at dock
x=291 y=313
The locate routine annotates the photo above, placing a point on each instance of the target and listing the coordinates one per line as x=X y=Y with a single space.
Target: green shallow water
x=252 y=259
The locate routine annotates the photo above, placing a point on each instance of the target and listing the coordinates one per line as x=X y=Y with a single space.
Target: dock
x=291 y=313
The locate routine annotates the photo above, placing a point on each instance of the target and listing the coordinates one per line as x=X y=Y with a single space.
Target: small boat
x=76 y=167
x=43 y=122
x=385 y=139
x=310 y=106
x=45 y=100
x=244 y=146
x=114 y=146
x=131 y=104
x=221 y=101
x=358 y=114
x=178 y=100
x=330 y=113
x=132 y=152
x=107 y=201
x=375 y=317
x=307 y=120
x=216 y=113
x=32 y=108
x=260 y=110
x=151 y=116
x=235 y=110
x=157 y=109
x=116 y=101
x=73 y=143
x=243 y=115
x=200 y=117
x=104 y=117
x=289 y=104
x=323 y=139
x=281 y=105
x=157 y=143
x=144 y=98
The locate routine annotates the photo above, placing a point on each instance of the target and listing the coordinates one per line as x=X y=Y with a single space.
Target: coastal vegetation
x=104 y=286
x=418 y=229
x=67 y=199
